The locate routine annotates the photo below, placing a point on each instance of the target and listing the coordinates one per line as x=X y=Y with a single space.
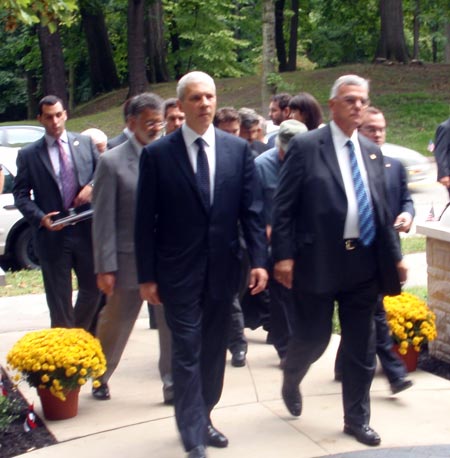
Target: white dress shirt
x=351 y=228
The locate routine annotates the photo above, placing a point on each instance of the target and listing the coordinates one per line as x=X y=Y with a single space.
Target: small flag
x=30 y=420
x=430 y=146
x=431 y=216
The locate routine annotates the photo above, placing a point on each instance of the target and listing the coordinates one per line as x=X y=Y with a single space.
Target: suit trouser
x=392 y=365
x=76 y=254
x=199 y=344
x=115 y=324
x=357 y=298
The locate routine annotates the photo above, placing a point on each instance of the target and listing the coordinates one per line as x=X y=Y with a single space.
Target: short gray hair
x=288 y=129
x=348 y=80
x=144 y=101
x=193 y=77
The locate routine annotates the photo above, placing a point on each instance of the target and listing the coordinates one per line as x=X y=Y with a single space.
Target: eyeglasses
x=374 y=130
x=349 y=100
x=154 y=124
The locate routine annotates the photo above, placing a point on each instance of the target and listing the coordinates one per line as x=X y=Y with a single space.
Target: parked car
x=417 y=165
x=16 y=242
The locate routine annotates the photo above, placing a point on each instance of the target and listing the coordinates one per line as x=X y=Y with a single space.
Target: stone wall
x=438 y=260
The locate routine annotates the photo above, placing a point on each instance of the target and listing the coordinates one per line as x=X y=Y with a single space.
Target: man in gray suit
x=58 y=170
x=113 y=229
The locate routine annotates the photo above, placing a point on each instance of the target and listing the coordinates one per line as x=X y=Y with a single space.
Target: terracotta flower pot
x=54 y=408
x=410 y=358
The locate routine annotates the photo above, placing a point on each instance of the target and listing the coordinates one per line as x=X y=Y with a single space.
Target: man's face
x=53 y=118
x=250 y=134
x=174 y=119
x=276 y=114
x=374 y=127
x=147 y=125
x=199 y=105
x=348 y=107
x=232 y=127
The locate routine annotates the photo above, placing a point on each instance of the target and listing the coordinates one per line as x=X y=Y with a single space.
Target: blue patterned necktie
x=202 y=174
x=67 y=176
x=366 y=220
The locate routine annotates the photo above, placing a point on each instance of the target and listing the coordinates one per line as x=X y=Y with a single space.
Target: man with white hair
x=194 y=186
x=333 y=241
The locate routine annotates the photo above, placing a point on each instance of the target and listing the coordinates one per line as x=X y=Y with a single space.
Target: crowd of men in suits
x=194 y=210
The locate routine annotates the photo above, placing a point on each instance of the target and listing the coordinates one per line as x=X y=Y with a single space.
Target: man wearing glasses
x=333 y=241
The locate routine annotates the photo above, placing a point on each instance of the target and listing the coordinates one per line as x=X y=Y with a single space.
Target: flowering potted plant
x=411 y=321
x=57 y=361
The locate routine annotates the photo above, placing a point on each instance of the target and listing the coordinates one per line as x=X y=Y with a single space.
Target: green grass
x=413 y=244
x=415 y=99
x=22 y=282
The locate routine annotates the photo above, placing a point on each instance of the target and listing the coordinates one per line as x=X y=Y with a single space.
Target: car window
x=8 y=183
x=19 y=136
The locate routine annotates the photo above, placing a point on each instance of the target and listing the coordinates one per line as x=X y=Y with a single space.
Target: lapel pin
x=76 y=143
x=373 y=156
x=387 y=165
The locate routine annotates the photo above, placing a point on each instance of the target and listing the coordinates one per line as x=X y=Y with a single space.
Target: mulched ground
x=15 y=441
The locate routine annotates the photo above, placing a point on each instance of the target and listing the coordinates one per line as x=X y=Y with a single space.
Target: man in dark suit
x=194 y=186
x=332 y=240
x=126 y=132
x=442 y=153
x=58 y=170
x=401 y=208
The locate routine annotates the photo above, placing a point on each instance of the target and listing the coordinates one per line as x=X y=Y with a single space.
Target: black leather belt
x=351 y=244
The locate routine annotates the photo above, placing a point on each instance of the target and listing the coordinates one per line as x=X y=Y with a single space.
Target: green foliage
x=413 y=244
x=277 y=83
x=9 y=411
x=14 y=96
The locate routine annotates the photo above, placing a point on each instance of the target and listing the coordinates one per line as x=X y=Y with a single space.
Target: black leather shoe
x=363 y=433
x=238 y=358
x=292 y=397
x=102 y=392
x=400 y=385
x=197 y=452
x=215 y=438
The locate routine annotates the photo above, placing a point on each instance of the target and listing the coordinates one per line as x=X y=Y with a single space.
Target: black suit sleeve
x=442 y=149
x=144 y=233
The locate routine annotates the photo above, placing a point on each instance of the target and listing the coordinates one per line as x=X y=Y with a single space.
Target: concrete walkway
x=136 y=424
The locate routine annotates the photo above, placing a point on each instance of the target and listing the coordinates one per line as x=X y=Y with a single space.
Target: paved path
x=136 y=424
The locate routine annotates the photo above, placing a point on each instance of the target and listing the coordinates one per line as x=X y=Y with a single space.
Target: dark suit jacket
x=442 y=149
x=310 y=208
x=179 y=243
x=35 y=175
x=399 y=198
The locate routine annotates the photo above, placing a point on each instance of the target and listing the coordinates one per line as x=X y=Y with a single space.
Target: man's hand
x=149 y=292
x=445 y=181
x=47 y=221
x=84 y=196
x=106 y=282
x=402 y=270
x=405 y=219
x=258 y=280
x=283 y=272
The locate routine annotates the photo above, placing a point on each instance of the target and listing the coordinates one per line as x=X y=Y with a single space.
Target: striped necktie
x=365 y=213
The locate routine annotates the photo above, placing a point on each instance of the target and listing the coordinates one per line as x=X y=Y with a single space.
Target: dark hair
x=282 y=99
x=249 y=118
x=170 y=103
x=49 y=100
x=226 y=114
x=310 y=109
x=146 y=100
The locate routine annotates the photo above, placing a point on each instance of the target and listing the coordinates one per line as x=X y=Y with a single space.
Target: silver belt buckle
x=350 y=245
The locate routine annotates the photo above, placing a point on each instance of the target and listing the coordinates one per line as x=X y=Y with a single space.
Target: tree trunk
x=416 y=25
x=279 y=38
x=136 y=48
x=53 y=71
x=32 y=101
x=392 y=45
x=293 y=38
x=103 y=72
x=156 y=46
x=268 y=57
x=447 y=43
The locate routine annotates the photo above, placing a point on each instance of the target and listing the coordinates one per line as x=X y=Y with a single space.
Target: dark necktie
x=67 y=176
x=202 y=175
x=366 y=220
